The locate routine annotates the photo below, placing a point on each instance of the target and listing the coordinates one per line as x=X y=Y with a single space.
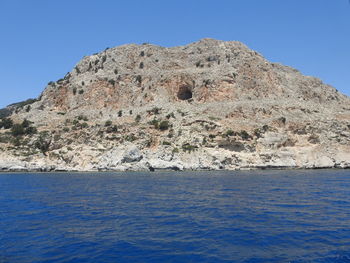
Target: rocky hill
x=207 y=105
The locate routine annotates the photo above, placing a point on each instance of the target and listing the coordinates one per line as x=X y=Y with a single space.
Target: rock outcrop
x=207 y=105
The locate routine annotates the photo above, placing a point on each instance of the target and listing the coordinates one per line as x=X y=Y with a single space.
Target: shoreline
x=4 y=171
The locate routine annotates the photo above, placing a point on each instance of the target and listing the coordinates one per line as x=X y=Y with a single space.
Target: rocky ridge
x=207 y=105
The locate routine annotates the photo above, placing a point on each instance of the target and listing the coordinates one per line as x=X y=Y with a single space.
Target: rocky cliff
x=207 y=105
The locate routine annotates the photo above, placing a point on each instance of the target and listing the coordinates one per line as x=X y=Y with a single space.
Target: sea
x=227 y=216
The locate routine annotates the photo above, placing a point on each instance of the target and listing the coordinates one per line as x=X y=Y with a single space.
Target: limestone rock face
x=207 y=105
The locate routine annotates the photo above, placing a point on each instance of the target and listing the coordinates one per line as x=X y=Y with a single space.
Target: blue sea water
x=252 y=216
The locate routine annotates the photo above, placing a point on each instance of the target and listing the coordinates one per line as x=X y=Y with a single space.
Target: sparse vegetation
x=81 y=91
x=112 y=129
x=229 y=132
x=175 y=150
x=43 y=142
x=84 y=125
x=188 y=148
x=82 y=117
x=108 y=123
x=166 y=143
x=245 y=135
x=77 y=70
x=138 y=118
x=282 y=120
x=141 y=65
x=120 y=113
x=170 y=115
x=130 y=138
x=164 y=125
x=314 y=139
x=23 y=128
x=6 y=123
x=155 y=110
x=138 y=79
x=17 y=130
x=104 y=58
x=155 y=123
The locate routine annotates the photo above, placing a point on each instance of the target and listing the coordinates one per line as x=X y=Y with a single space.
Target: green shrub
x=164 y=125
x=25 y=123
x=170 y=115
x=74 y=90
x=43 y=143
x=84 y=125
x=82 y=117
x=4 y=138
x=120 y=113
x=155 y=110
x=245 y=135
x=139 y=79
x=166 y=143
x=229 y=133
x=175 y=150
x=31 y=130
x=188 y=148
x=6 y=123
x=130 y=138
x=111 y=129
x=155 y=123
x=17 y=130
x=108 y=123
x=16 y=141
x=81 y=91
x=141 y=65
x=138 y=118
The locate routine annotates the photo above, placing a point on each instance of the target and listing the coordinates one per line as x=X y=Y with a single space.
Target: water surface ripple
x=255 y=216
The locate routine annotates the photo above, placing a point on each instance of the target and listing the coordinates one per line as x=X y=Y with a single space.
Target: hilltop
x=207 y=105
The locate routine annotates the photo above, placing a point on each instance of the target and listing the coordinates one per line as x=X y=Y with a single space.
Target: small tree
x=43 y=143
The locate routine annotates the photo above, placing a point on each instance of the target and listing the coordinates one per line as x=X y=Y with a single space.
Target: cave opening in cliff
x=184 y=93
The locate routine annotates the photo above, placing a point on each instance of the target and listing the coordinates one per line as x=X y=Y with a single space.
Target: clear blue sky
x=41 y=40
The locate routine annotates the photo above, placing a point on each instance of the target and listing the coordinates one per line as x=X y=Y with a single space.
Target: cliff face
x=207 y=105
